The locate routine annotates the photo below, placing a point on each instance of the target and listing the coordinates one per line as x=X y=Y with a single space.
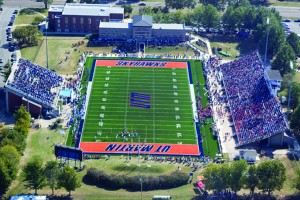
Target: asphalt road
x=287 y=12
x=290 y=12
x=4 y=53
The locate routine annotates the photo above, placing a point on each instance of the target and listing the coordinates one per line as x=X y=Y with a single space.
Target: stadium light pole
x=268 y=24
x=290 y=90
x=141 y=179
x=46 y=26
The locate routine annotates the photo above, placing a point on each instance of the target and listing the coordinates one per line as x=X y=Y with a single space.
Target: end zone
x=140 y=63
x=136 y=148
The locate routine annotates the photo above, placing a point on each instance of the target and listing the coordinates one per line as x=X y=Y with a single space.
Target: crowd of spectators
x=255 y=111
x=35 y=81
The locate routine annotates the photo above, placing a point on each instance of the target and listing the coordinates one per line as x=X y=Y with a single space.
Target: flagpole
x=139 y=153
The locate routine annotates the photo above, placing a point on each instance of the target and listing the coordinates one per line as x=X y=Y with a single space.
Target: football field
x=140 y=105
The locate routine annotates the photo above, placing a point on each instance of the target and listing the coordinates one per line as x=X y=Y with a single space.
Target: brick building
x=82 y=18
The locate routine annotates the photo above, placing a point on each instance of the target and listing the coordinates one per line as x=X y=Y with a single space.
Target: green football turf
x=154 y=125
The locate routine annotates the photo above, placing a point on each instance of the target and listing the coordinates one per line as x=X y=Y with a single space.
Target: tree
x=5 y=179
x=297 y=180
x=180 y=4
x=177 y=17
x=11 y=158
x=51 y=172
x=197 y=16
x=219 y=4
x=295 y=121
x=68 y=179
x=216 y=176
x=283 y=58
x=271 y=175
x=127 y=9
x=7 y=71
x=34 y=174
x=236 y=175
x=47 y=2
x=22 y=114
x=1 y=3
x=210 y=17
x=28 y=35
x=294 y=41
x=251 y=179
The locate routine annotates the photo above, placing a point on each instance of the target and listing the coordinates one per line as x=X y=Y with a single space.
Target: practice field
x=144 y=108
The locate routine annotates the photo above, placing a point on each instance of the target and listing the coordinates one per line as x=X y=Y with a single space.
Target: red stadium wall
x=35 y=109
x=14 y=102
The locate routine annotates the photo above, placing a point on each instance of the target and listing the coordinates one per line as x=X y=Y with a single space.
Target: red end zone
x=135 y=148
x=140 y=63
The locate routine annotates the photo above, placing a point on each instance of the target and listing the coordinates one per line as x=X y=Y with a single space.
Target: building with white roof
x=109 y=22
x=82 y=18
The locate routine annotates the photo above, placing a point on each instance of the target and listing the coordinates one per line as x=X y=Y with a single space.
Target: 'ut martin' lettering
x=136 y=148
x=141 y=64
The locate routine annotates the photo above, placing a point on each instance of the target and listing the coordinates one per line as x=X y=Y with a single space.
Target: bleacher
x=255 y=111
x=35 y=82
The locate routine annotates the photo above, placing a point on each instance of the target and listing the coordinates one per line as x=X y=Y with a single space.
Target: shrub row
x=133 y=183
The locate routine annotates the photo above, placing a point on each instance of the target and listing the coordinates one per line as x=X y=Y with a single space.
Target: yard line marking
x=127 y=97
x=153 y=118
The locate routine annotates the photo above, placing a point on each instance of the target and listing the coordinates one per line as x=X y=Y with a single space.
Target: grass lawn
x=297 y=77
x=40 y=142
x=58 y=48
x=232 y=45
x=284 y=3
x=27 y=15
x=209 y=144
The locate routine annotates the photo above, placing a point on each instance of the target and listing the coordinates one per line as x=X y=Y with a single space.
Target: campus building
x=141 y=27
x=109 y=22
x=82 y=18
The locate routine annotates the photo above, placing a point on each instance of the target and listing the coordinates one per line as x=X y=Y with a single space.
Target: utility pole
x=267 y=39
x=290 y=90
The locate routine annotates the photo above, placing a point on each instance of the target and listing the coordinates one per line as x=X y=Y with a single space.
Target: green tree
x=11 y=157
x=22 y=114
x=68 y=179
x=5 y=179
x=236 y=175
x=271 y=175
x=47 y=2
x=216 y=177
x=1 y=3
x=295 y=122
x=147 y=10
x=28 y=35
x=219 y=4
x=294 y=41
x=283 y=58
x=7 y=71
x=51 y=173
x=177 y=17
x=197 y=16
x=251 y=179
x=127 y=9
x=180 y=4
x=34 y=176
x=210 y=17
x=297 y=179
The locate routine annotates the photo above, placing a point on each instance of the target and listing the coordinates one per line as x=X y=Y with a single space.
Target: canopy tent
x=200 y=184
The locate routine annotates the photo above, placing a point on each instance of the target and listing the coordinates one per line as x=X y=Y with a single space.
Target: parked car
x=297 y=20
x=1 y=60
x=15 y=12
x=287 y=20
x=142 y=4
x=9 y=37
